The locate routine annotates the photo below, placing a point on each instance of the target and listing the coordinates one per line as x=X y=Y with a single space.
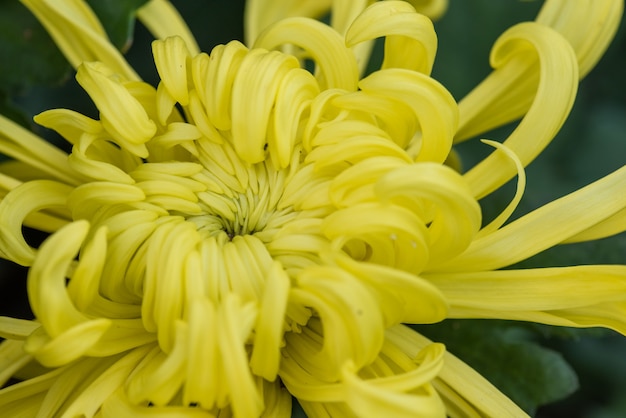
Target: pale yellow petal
x=122 y=115
x=589 y=26
x=259 y=14
x=255 y=88
x=172 y=58
x=410 y=39
x=336 y=63
x=78 y=33
x=434 y=9
x=21 y=144
x=163 y=20
x=17 y=204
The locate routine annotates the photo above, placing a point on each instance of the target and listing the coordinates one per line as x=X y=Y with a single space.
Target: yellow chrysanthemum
x=247 y=230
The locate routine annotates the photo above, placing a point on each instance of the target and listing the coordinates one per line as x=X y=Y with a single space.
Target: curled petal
x=16 y=205
x=403 y=297
x=352 y=323
x=337 y=64
x=410 y=39
x=295 y=93
x=47 y=291
x=122 y=115
x=259 y=14
x=68 y=123
x=378 y=397
x=68 y=346
x=254 y=95
x=457 y=215
x=385 y=234
x=433 y=105
x=467 y=383
x=555 y=95
x=217 y=93
x=519 y=191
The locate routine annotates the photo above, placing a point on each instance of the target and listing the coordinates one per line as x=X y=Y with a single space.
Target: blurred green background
x=525 y=361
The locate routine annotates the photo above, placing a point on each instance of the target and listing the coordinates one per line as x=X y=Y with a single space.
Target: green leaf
x=29 y=56
x=118 y=19
x=507 y=355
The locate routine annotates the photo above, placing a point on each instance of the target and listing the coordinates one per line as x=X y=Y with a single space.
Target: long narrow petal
x=545 y=227
x=21 y=144
x=163 y=20
x=78 y=33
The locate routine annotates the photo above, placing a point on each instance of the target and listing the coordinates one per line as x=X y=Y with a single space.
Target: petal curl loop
x=518 y=46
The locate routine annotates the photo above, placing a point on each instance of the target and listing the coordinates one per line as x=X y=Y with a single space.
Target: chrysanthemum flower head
x=249 y=230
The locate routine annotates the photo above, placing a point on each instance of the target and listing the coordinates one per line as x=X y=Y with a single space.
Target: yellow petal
x=16 y=205
x=255 y=88
x=265 y=357
x=456 y=216
x=464 y=380
x=542 y=289
x=171 y=58
x=538 y=230
x=78 y=33
x=410 y=39
x=259 y=14
x=554 y=98
x=163 y=20
x=433 y=105
x=337 y=64
x=122 y=115
x=21 y=144
x=588 y=26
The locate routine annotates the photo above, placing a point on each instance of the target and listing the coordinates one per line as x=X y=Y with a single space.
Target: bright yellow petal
x=433 y=105
x=336 y=63
x=514 y=50
x=410 y=39
x=545 y=227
